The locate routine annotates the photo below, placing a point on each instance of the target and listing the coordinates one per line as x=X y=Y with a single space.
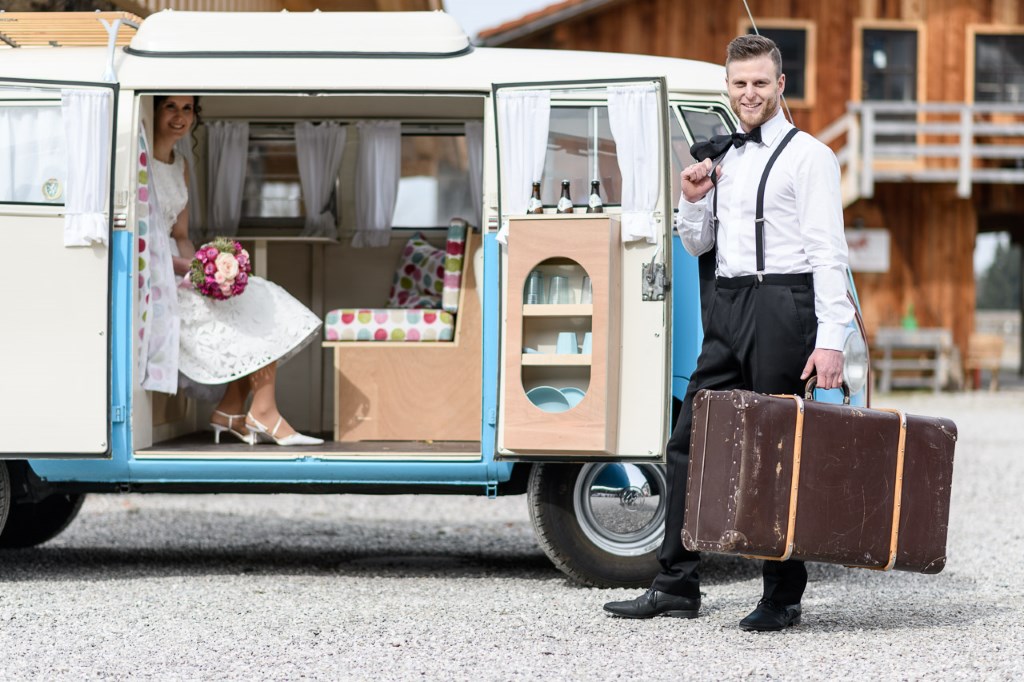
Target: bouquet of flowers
x=220 y=269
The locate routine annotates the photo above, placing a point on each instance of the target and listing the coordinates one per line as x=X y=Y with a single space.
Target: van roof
x=158 y=60
x=299 y=33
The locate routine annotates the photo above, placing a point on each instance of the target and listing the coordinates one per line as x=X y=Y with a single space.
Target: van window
x=705 y=122
x=434 y=185
x=580 y=149
x=680 y=157
x=33 y=154
x=272 y=192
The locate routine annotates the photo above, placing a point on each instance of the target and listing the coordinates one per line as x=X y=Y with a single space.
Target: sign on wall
x=869 y=249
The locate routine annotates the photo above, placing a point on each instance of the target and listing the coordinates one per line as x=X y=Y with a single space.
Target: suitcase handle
x=812 y=383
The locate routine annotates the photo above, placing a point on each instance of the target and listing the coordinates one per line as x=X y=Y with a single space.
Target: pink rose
x=212 y=252
x=209 y=268
x=227 y=265
x=219 y=277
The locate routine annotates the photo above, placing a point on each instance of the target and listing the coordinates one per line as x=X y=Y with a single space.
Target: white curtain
x=227 y=145
x=34 y=169
x=475 y=152
x=633 y=116
x=87 y=131
x=196 y=228
x=523 y=121
x=378 y=170
x=319 y=148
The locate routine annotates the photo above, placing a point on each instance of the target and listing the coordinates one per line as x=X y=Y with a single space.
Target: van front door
x=585 y=320
x=55 y=299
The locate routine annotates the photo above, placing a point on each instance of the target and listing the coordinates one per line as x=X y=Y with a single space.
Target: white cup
x=588 y=343
x=566 y=344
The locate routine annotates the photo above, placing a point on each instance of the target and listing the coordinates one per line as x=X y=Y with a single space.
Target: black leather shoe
x=655 y=603
x=769 y=616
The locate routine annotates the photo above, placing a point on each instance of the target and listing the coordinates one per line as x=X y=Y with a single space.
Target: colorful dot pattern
x=389 y=324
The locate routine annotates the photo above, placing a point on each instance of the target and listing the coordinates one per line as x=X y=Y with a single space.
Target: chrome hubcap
x=621 y=506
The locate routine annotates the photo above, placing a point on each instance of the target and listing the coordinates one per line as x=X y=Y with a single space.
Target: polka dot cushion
x=419 y=279
x=455 y=249
x=391 y=324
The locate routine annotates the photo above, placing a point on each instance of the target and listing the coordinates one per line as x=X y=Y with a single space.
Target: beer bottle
x=564 y=202
x=594 y=204
x=535 y=205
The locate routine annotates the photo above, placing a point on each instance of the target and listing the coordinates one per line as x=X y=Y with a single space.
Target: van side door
x=55 y=299
x=585 y=374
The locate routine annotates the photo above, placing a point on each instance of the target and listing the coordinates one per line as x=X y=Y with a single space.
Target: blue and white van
x=549 y=363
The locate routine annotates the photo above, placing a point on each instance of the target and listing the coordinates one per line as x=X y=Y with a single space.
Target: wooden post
x=867 y=182
x=963 y=183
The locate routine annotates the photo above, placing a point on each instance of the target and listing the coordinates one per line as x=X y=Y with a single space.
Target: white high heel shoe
x=260 y=432
x=221 y=428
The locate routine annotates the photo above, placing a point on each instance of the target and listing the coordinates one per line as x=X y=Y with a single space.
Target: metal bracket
x=492 y=489
x=655 y=282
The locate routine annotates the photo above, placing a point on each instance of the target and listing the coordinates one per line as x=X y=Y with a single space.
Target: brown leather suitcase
x=780 y=477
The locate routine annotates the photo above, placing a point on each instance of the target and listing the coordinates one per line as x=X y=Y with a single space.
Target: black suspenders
x=759 y=218
x=707 y=261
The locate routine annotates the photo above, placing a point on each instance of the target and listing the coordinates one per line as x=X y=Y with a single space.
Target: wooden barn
x=922 y=100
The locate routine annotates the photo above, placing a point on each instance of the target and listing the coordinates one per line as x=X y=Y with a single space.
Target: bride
x=239 y=341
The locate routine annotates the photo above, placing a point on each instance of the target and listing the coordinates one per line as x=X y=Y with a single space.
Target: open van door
x=585 y=374
x=55 y=345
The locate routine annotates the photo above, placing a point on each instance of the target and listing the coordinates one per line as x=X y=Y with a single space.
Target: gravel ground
x=359 y=587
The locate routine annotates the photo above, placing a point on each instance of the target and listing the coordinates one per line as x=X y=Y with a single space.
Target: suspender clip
x=760 y=277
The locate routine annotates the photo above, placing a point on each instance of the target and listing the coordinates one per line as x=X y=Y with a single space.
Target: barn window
x=889 y=72
x=999 y=68
x=795 y=40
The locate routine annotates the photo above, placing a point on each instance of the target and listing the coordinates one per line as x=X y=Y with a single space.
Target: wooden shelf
x=555 y=360
x=555 y=310
x=573 y=246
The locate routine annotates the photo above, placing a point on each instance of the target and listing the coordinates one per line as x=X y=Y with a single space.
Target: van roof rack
x=63 y=29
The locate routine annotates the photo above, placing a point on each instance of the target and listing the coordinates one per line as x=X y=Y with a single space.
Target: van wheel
x=33 y=523
x=5 y=494
x=602 y=523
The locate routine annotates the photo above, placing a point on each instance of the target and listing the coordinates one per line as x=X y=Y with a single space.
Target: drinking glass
x=534 y=291
x=558 y=292
x=587 y=292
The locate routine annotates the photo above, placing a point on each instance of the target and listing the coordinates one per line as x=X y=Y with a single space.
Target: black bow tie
x=740 y=139
x=716 y=146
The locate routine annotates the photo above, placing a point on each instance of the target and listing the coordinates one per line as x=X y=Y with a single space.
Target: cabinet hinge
x=117 y=414
x=492 y=417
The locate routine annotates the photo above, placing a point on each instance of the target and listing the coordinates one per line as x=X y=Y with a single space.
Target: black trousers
x=757 y=336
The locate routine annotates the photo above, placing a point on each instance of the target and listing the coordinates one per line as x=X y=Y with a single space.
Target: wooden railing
x=965 y=144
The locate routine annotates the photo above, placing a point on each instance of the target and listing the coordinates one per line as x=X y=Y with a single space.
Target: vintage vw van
x=544 y=359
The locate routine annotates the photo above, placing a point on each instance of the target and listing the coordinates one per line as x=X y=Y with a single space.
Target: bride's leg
x=264 y=401
x=232 y=405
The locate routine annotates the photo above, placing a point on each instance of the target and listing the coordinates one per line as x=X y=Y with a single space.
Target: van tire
x=33 y=523
x=554 y=510
x=5 y=494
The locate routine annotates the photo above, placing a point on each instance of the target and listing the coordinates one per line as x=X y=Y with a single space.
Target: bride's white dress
x=225 y=340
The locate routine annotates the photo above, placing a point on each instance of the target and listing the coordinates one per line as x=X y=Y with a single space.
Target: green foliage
x=999 y=286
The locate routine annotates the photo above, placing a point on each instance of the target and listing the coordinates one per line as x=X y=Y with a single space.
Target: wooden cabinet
x=572 y=247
